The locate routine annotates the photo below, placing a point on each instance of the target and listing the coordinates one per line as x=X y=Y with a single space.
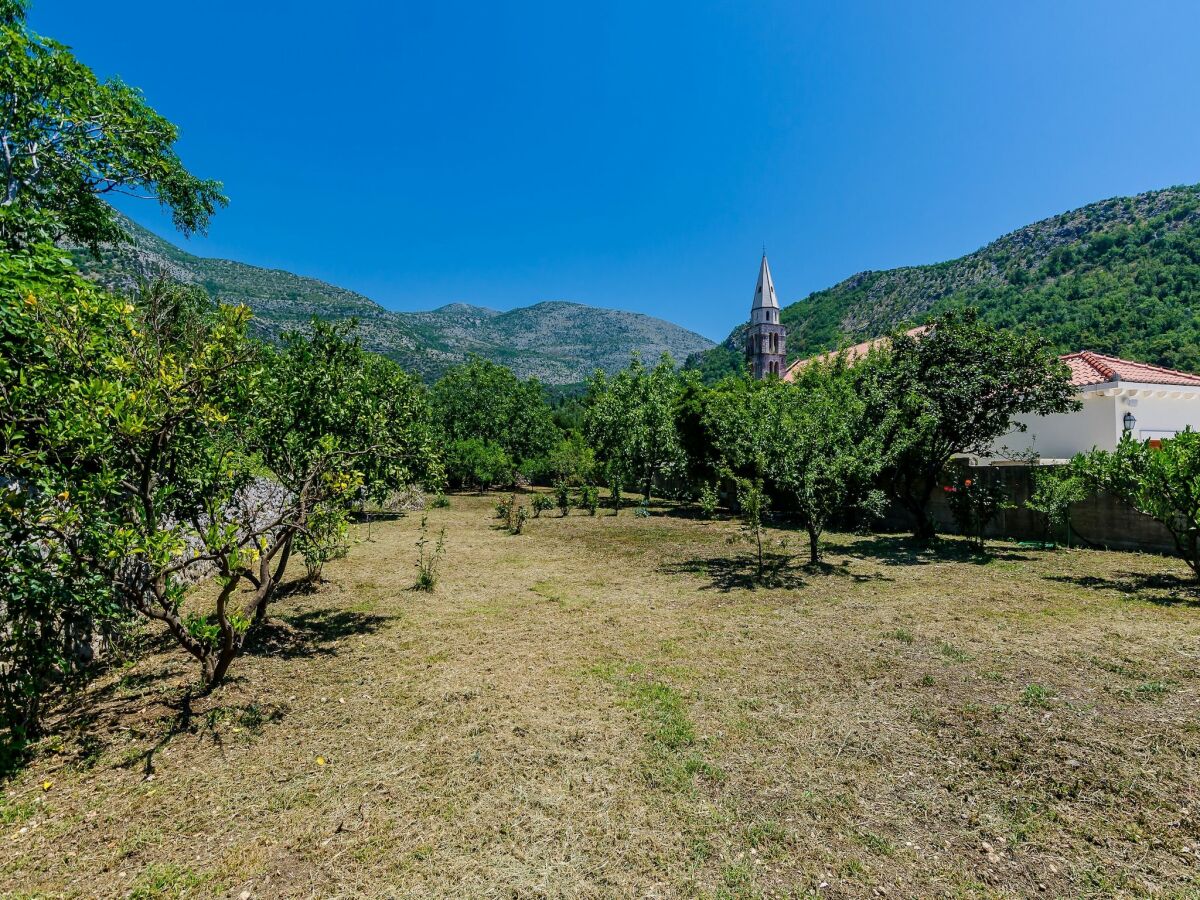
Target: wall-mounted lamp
x=1128 y=421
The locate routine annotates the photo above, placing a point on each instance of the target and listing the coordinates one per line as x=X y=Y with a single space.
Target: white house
x=1118 y=395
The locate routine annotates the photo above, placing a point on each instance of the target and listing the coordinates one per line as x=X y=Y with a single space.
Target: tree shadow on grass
x=1157 y=588
x=781 y=571
x=903 y=550
x=308 y=633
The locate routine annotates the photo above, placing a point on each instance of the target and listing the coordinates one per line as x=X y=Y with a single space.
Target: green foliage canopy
x=68 y=139
x=955 y=389
x=485 y=401
x=1162 y=482
x=630 y=421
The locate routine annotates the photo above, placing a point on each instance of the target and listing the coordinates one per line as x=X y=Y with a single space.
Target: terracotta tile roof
x=1096 y=368
x=852 y=354
x=1087 y=368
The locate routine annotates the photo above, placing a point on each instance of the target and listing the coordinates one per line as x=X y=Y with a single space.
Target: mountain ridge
x=557 y=341
x=1119 y=276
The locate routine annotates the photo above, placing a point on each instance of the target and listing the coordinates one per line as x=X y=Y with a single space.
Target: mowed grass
x=606 y=707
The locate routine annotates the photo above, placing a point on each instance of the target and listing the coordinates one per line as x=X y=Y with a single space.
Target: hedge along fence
x=1099 y=521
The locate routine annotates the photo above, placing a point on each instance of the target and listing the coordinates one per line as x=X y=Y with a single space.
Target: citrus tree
x=1162 y=482
x=69 y=139
x=630 y=422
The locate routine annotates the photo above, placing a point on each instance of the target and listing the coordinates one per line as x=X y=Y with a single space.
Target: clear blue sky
x=639 y=154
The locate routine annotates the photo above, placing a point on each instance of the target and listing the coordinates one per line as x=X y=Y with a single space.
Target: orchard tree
x=332 y=422
x=68 y=139
x=955 y=388
x=472 y=462
x=1162 y=482
x=825 y=450
x=630 y=422
x=56 y=485
x=484 y=400
x=810 y=442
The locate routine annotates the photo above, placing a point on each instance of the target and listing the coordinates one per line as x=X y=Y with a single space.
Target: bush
x=475 y=463
x=614 y=493
x=562 y=498
x=708 y=499
x=975 y=503
x=542 y=503
x=504 y=507
x=1055 y=488
x=589 y=499
x=323 y=538
x=429 y=560
x=441 y=501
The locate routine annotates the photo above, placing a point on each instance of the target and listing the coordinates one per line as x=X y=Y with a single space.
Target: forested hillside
x=556 y=341
x=1121 y=276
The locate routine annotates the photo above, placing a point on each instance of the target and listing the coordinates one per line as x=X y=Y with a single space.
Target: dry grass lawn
x=604 y=707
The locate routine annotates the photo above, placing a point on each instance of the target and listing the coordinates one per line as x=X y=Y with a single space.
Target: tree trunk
x=814 y=546
x=216 y=666
x=918 y=506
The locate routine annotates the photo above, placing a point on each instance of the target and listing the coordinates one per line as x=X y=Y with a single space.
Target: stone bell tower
x=766 y=339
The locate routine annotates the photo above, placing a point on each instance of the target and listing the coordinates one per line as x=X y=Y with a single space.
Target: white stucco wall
x=1160 y=412
x=1159 y=416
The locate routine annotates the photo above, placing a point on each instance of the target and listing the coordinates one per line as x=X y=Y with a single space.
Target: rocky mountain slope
x=1121 y=276
x=556 y=341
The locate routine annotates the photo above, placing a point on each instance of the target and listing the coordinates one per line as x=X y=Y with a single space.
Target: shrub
x=517 y=521
x=322 y=539
x=478 y=464
x=504 y=507
x=429 y=560
x=708 y=499
x=542 y=503
x=441 y=501
x=1055 y=488
x=562 y=498
x=589 y=499
x=753 y=503
x=975 y=502
x=614 y=493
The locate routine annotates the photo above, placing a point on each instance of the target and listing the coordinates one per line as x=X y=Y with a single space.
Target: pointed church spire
x=764 y=293
x=766 y=339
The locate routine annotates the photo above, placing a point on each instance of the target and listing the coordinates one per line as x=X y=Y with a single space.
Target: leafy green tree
x=331 y=421
x=1055 y=489
x=975 y=502
x=811 y=442
x=1162 y=482
x=825 y=451
x=479 y=464
x=482 y=400
x=955 y=389
x=562 y=498
x=68 y=139
x=753 y=504
x=630 y=422
x=571 y=460
x=56 y=486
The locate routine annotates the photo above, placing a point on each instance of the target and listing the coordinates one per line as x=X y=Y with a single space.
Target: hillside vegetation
x=556 y=341
x=1121 y=276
